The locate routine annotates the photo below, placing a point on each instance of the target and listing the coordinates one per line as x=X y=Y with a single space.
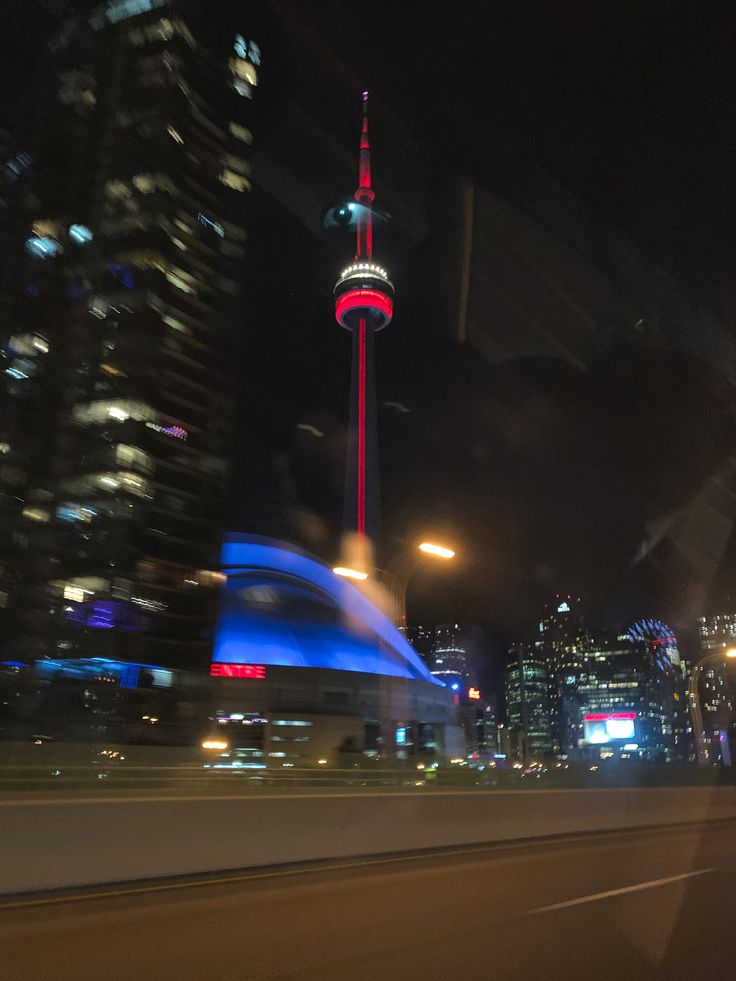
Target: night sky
x=547 y=478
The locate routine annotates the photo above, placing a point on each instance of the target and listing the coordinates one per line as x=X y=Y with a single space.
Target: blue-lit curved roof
x=281 y=607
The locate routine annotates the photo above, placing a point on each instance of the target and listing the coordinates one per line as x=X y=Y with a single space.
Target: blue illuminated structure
x=283 y=608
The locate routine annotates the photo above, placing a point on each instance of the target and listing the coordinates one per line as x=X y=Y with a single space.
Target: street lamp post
x=400 y=572
x=693 y=694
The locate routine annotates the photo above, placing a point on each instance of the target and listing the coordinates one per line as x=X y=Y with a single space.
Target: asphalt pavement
x=627 y=905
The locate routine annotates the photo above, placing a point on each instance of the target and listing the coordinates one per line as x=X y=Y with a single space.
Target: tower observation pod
x=364 y=297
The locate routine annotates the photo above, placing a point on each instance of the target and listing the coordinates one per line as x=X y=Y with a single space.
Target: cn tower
x=363 y=305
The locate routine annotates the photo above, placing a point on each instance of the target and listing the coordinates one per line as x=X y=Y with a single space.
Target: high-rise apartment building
x=119 y=360
x=528 y=703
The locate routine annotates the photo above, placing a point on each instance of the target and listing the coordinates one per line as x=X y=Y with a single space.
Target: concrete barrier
x=53 y=844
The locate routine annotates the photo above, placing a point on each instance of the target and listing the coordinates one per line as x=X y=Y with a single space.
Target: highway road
x=624 y=905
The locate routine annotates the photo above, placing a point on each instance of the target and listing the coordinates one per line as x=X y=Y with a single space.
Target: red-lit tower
x=363 y=305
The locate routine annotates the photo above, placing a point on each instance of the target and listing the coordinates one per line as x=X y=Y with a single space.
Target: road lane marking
x=639 y=887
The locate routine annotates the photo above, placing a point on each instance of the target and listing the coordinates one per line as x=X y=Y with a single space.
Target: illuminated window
x=175 y=324
x=238 y=164
x=236 y=181
x=209 y=223
x=41 y=247
x=244 y=71
x=119 y=410
x=177 y=281
x=243 y=88
x=119 y=10
x=36 y=514
x=241 y=133
x=291 y=722
x=77 y=89
x=72 y=513
x=80 y=234
x=28 y=345
x=145 y=183
x=132 y=456
x=21 y=369
x=117 y=189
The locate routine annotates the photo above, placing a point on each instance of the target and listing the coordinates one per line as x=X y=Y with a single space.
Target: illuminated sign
x=474 y=693
x=254 y=671
x=605 y=727
x=563 y=608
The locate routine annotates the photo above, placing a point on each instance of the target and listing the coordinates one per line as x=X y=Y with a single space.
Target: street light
x=439 y=550
x=693 y=693
x=400 y=572
x=346 y=573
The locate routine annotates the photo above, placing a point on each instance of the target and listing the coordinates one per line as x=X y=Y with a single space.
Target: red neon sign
x=474 y=693
x=254 y=671
x=605 y=716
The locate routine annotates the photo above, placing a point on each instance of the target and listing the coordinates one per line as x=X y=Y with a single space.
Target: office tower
x=528 y=704
x=561 y=642
x=631 y=693
x=449 y=658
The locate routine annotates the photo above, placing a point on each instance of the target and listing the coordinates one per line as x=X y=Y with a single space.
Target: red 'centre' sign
x=254 y=671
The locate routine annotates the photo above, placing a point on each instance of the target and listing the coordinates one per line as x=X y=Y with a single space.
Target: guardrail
x=111 y=775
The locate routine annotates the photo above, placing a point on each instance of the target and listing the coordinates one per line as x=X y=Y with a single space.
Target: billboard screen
x=607 y=727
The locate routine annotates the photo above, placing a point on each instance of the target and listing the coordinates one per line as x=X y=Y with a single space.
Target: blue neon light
x=282 y=607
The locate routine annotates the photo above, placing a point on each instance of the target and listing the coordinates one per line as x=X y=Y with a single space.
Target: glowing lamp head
x=346 y=573
x=439 y=551
x=731 y=652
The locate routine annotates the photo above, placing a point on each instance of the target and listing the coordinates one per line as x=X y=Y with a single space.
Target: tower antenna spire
x=364 y=194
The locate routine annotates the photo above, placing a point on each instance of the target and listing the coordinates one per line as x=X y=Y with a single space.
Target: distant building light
x=563 y=608
x=474 y=694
